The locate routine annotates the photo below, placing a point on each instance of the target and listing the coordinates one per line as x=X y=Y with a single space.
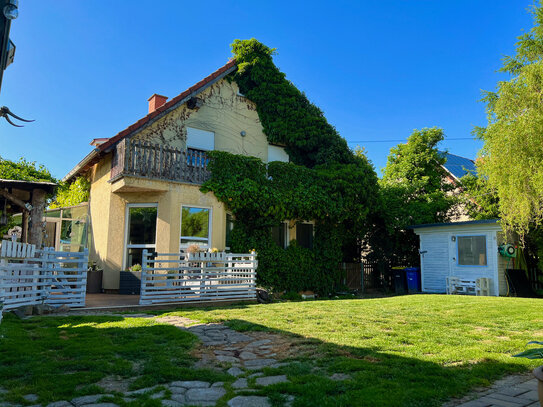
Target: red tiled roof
x=104 y=146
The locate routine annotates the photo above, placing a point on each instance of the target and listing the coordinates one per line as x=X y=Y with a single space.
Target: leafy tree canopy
x=72 y=194
x=413 y=191
x=24 y=170
x=513 y=139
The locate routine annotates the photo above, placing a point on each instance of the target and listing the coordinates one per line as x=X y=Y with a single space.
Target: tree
x=479 y=199
x=24 y=171
x=413 y=191
x=513 y=139
x=72 y=194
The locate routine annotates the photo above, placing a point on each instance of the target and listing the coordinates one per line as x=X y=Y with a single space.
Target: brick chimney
x=156 y=101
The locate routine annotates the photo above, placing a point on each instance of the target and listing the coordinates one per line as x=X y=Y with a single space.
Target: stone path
x=241 y=355
x=512 y=391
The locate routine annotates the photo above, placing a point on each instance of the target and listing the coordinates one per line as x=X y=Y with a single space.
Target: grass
x=62 y=358
x=399 y=351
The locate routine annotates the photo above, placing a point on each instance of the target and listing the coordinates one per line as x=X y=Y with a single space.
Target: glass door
x=140 y=232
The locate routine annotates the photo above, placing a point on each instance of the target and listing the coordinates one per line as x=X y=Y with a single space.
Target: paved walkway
x=512 y=391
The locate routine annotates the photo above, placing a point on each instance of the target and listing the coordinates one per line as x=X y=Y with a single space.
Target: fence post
x=362 y=287
x=47 y=274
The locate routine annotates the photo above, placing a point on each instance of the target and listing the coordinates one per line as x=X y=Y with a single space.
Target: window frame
x=312 y=223
x=458 y=251
x=285 y=224
x=209 y=228
x=127 y=231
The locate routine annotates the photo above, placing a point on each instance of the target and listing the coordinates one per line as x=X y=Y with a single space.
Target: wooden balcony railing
x=156 y=161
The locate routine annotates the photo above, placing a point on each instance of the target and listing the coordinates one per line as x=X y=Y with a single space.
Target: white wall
x=439 y=255
x=276 y=153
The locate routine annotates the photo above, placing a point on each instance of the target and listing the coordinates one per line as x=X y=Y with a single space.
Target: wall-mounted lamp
x=11 y=9
x=243 y=133
x=453 y=238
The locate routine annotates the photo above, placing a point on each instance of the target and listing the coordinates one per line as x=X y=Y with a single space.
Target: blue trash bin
x=413 y=279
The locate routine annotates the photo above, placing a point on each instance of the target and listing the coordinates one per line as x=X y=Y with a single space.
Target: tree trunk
x=36 y=214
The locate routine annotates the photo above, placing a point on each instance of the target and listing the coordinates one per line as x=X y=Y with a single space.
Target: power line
x=404 y=140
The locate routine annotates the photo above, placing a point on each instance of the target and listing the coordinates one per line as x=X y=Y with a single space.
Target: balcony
x=158 y=162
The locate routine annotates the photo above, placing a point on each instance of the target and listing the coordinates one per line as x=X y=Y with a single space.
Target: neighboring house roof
x=458 y=166
x=469 y=222
x=183 y=97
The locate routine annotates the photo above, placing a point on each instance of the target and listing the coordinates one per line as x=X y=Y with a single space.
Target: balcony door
x=141 y=220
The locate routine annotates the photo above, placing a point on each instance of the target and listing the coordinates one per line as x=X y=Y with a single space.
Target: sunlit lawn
x=399 y=351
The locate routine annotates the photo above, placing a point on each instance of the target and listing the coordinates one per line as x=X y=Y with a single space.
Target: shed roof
x=468 y=222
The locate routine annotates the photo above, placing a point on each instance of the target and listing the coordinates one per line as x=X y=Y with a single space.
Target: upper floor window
x=276 y=153
x=200 y=139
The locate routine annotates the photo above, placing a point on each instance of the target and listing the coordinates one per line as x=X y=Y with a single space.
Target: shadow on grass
x=59 y=358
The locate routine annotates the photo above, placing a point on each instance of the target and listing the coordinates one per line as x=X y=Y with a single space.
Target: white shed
x=468 y=250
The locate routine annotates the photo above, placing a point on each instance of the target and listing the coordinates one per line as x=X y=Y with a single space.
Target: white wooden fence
x=174 y=277
x=29 y=276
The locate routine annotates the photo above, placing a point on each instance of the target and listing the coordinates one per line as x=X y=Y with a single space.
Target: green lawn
x=399 y=351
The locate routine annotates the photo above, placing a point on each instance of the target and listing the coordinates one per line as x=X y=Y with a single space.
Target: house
x=467 y=250
x=145 y=180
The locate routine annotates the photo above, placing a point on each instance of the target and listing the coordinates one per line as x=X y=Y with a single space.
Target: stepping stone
x=269 y=380
x=240 y=384
x=223 y=352
x=218 y=384
x=140 y=391
x=81 y=401
x=158 y=395
x=178 y=398
x=249 y=401
x=234 y=371
x=31 y=397
x=255 y=364
x=237 y=337
x=178 y=390
x=206 y=395
x=247 y=355
x=227 y=359
x=256 y=344
x=173 y=403
x=60 y=404
x=192 y=384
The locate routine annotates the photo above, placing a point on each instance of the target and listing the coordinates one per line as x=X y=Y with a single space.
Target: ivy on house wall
x=325 y=182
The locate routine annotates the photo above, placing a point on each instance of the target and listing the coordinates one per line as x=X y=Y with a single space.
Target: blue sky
x=378 y=69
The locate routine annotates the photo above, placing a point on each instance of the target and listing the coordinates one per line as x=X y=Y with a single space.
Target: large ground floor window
x=141 y=222
x=195 y=226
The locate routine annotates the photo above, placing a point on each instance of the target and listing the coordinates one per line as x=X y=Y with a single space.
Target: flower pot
x=130 y=282
x=538 y=373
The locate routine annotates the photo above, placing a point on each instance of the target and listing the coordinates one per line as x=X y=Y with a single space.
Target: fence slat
x=46 y=276
x=197 y=277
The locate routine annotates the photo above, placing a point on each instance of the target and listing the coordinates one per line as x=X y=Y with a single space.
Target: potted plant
x=535 y=353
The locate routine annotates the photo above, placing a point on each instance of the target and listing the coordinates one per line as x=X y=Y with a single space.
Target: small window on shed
x=304 y=235
x=471 y=250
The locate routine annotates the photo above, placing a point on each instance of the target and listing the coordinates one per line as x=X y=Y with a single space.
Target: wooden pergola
x=28 y=197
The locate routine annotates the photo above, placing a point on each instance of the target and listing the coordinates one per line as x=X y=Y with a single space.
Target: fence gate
x=175 y=277
x=29 y=276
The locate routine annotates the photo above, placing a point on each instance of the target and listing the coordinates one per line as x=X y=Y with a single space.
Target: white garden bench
x=457 y=285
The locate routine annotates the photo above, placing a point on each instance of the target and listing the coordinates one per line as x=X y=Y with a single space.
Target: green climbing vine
x=71 y=194
x=325 y=182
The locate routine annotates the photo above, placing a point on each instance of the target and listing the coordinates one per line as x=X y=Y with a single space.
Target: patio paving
x=511 y=391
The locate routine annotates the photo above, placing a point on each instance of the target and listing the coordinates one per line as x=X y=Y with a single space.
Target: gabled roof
x=183 y=97
x=458 y=166
x=467 y=222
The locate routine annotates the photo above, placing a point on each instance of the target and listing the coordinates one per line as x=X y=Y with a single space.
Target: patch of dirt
x=115 y=383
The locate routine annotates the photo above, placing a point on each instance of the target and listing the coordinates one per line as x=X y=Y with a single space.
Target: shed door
x=472 y=256
x=434 y=260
